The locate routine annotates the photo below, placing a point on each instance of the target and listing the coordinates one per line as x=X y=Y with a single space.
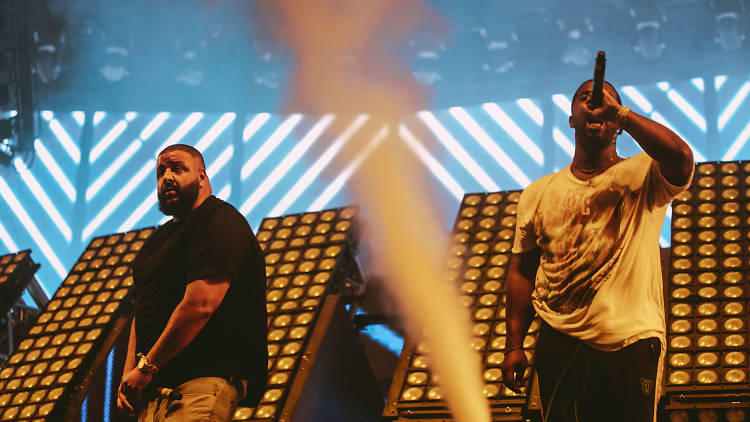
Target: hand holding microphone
x=130 y=406
x=614 y=111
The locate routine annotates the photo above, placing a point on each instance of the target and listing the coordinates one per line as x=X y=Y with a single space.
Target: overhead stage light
x=728 y=27
x=649 y=42
x=116 y=63
x=7 y=140
x=7 y=128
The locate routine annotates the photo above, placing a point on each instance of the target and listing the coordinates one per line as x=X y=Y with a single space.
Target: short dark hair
x=617 y=94
x=186 y=148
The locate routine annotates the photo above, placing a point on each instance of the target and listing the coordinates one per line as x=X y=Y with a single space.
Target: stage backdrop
x=94 y=173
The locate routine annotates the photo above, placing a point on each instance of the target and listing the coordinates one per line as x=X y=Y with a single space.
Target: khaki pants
x=209 y=399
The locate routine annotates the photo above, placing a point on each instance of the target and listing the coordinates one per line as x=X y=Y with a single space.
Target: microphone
x=168 y=393
x=595 y=100
x=151 y=393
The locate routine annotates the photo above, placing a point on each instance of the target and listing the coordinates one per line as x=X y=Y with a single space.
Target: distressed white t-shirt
x=599 y=278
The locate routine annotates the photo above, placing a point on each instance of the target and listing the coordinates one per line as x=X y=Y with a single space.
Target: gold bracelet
x=146 y=367
x=622 y=115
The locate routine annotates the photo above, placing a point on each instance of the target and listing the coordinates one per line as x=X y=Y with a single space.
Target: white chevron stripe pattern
x=268 y=164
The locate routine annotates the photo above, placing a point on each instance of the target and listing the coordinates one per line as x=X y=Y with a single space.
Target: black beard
x=186 y=197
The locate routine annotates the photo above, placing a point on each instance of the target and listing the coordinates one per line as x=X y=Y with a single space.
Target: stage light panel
x=713 y=412
x=478 y=259
x=313 y=228
x=301 y=255
x=707 y=295
x=308 y=256
x=16 y=271
x=46 y=377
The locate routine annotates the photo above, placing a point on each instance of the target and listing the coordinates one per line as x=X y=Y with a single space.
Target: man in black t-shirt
x=200 y=315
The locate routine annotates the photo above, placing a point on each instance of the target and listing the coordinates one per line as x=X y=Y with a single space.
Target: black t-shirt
x=213 y=240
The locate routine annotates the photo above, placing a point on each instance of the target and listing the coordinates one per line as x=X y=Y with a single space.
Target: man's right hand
x=513 y=367
x=123 y=405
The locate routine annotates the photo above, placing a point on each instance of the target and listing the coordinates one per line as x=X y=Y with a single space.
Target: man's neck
x=198 y=202
x=594 y=160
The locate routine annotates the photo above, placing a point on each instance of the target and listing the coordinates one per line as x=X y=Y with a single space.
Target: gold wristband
x=144 y=365
x=622 y=115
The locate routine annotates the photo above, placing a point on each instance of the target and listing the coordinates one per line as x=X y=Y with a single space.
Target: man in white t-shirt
x=586 y=259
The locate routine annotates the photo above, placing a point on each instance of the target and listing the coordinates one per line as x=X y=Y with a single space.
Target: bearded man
x=200 y=317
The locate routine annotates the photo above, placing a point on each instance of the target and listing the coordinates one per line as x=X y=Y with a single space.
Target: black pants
x=579 y=383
